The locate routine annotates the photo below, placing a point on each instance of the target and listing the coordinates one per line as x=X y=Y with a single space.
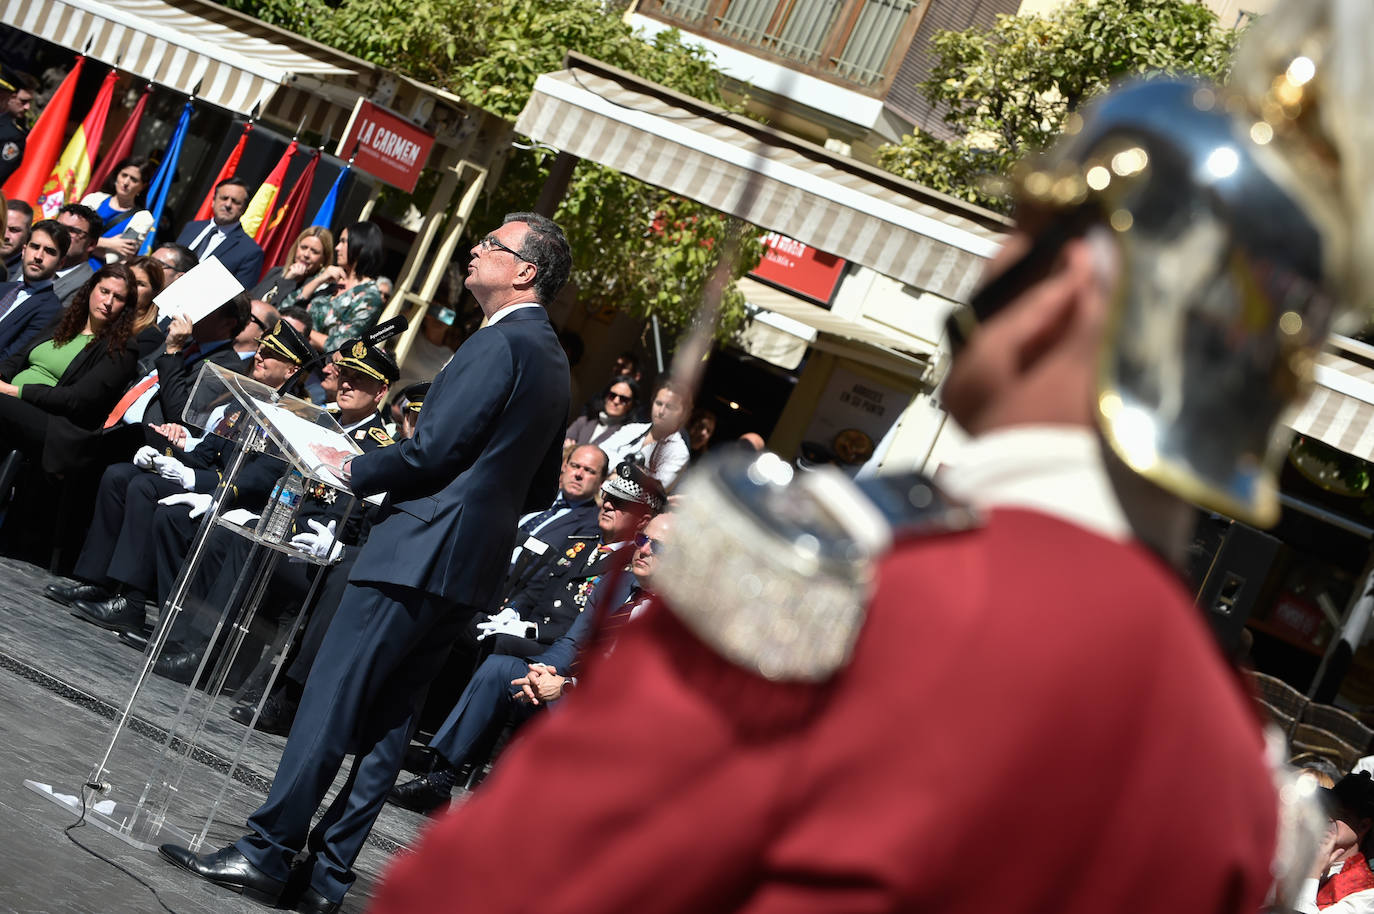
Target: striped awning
x=178 y=45
x=1340 y=410
x=831 y=202
x=784 y=327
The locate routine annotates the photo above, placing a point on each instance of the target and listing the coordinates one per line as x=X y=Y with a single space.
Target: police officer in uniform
x=878 y=699
x=320 y=527
x=559 y=599
x=16 y=97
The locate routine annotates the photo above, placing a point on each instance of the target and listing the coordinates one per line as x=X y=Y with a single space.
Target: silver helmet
x=1233 y=236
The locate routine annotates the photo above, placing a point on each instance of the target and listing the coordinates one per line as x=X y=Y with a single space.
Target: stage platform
x=62 y=683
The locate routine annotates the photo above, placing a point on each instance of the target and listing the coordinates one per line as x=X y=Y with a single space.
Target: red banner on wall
x=385 y=145
x=799 y=268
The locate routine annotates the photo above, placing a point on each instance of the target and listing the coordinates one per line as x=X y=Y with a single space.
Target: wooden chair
x=1341 y=723
x=1279 y=694
x=1307 y=738
x=1285 y=722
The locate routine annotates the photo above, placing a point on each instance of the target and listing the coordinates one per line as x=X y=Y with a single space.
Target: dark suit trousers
x=484 y=706
x=327 y=601
x=382 y=648
x=222 y=578
x=173 y=530
x=120 y=534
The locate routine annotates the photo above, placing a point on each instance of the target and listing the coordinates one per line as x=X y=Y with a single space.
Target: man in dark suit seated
x=485 y=705
x=486 y=448
x=84 y=226
x=573 y=513
x=177 y=260
x=18 y=221
x=222 y=238
x=29 y=305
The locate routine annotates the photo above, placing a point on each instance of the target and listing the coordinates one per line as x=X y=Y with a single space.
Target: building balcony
x=856 y=43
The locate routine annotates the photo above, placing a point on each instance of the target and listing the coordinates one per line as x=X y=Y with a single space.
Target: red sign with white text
x=385 y=145
x=799 y=268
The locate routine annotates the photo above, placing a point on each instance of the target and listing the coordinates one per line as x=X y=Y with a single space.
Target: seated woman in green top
x=78 y=368
x=343 y=299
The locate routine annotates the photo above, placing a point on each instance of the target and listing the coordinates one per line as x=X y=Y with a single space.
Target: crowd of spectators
x=94 y=386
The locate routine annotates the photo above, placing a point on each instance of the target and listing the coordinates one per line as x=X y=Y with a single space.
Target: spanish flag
x=40 y=152
x=69 y=177
x=279 y=235
x=254 y=220
x=226 y=171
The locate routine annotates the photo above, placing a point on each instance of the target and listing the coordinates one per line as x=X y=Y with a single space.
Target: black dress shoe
x=278 y=712
x=118 y=613
x=67 y=594
x=419 y=759
x=312 y=902
x=138 y=640
x=228 y=868
x=419 y=795
x=177 y=663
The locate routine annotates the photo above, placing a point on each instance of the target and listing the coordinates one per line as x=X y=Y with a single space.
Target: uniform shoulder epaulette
x=773 y=568
x=914 y=506
x=380 y=436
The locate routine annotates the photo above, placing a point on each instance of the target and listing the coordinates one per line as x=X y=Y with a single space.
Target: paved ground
x=61 y=683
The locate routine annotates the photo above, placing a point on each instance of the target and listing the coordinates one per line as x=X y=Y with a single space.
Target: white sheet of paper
x=198 y=292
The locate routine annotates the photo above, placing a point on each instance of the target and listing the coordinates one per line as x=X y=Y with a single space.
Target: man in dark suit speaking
x=222 y=238
x=486 y=447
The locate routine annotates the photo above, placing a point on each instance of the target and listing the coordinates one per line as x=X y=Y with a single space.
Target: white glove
x=176 y=471
x=144 y=457
x=199 y=502
x=507 y=622
x=321 y=544
x=239 y=517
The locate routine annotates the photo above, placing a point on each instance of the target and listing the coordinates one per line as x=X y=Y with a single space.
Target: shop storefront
x=1292 y=596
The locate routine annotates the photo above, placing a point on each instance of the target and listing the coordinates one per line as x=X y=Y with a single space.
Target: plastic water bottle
x=281 y=507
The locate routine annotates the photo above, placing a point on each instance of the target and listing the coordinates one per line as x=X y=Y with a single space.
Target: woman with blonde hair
x=313 y=252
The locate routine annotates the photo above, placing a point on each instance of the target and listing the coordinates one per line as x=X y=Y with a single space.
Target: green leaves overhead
x=1006 y=90
x=489 y=53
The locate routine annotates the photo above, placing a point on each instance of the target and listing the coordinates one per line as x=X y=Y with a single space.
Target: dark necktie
x=7 y=300
x=205 y=242
x=558 y=505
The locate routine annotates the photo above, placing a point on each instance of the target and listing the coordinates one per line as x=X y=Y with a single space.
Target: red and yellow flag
x=227 y=170
x=123 y=145
x=40 y=151
x=69 y=177
x=278 y=241
x=254 y=219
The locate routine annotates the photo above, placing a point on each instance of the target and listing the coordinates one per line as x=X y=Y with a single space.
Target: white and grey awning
x=237 y=62
x=1340 y=410
x=831 y=202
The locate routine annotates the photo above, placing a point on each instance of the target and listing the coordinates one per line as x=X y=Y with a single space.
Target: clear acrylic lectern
x=173 y=753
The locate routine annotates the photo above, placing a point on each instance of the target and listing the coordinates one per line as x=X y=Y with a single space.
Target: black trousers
x=382 y=648
x=119 y=544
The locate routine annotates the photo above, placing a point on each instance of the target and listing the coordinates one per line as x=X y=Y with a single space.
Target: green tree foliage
x=489 y=52
x=1007 y=90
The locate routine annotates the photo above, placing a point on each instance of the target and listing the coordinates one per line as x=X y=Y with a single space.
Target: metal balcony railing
x=853 y=41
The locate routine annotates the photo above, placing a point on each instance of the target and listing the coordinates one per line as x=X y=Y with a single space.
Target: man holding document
x=486 y=447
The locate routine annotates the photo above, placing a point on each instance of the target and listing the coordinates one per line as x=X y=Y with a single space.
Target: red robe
x=1034 y=719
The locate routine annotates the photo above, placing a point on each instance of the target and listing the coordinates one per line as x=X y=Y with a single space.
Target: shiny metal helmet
x=1231 y=252
x=1221 y=293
